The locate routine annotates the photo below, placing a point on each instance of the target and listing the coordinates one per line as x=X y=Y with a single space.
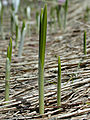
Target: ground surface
x=75 y=94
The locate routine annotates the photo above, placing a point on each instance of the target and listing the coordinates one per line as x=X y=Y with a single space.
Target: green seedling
x=28 y=12
x=23 y=32
x=8 y=65
x=65 y=13
x=7 y=79
x=1 y=20
x=14 y=9
x=61 y=11
x=15 y=5
x=28 y=15
x=12 y=17
x=9 y=50
x=87 y=14
x=1 y=14
x=17 y=31
x=52 y=18
x=58 y=16
x=12 y=22
x=42 y=44
x=84 y=43
x=59 y=83
x=37 y=19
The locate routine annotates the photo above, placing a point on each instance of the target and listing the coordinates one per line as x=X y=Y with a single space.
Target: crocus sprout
x=8 y=65
x=15 y=5
x=84 y=43
x=59 y=83
x=28 y=12
x=62 y=10
x=17 y=31
x=37 y=20
x=22 y=37
x=1 y=20
x=42 y=45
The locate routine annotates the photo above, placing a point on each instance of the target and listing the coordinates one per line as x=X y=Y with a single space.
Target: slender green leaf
x=44 y=26
x=10 y=56
x=42 y=44
x=9 y=50
x=85 y=52
x=17 y=36
x=7 y=78
x=65 y=14
x=40 y=37
x=23 y=32
x=8 y=65
x=59 y=83
x=23 y=26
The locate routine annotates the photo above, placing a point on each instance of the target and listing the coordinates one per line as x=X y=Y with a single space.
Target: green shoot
x=17 y=31
x=9 y=50
x=87 y=14
x=58 y=16
x=7 y=78
x=14 y=10
x=12 y=18
x=42 y=44
x=61 y=11
x=65 y=13
x=37 y=19
x=23 y=27
x=59 y=83
x=52 y=18
x=1 y=20
x=15 y=5
x=1 y=13
x=84 y=43
x=12 y=22
x=8 y=65
x=28 y=16
x=23 y=32
x=28 y=12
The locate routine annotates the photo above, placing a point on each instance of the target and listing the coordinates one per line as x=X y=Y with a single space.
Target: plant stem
x=9 y=50
x=42 y=44
x=23 y=32
x=7 y=78
x=12 y=22
x=17 y=36
x=65 y=14
x=85 y=52
x=58 y=8
x=37 y=20
x=59 y=83
x=8 y=65
x=1 y=20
